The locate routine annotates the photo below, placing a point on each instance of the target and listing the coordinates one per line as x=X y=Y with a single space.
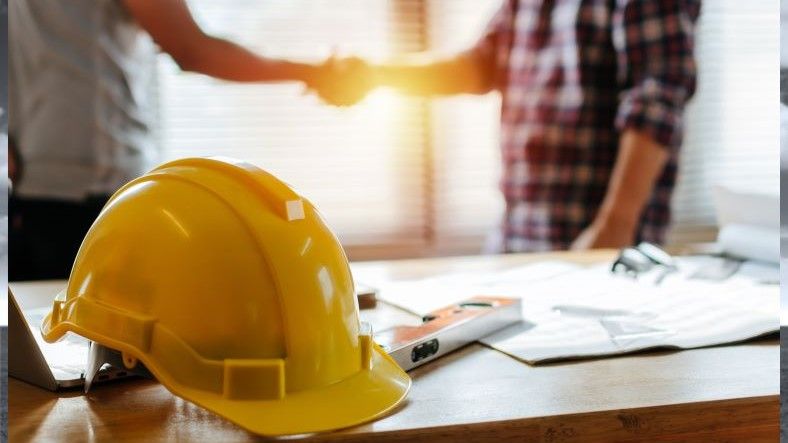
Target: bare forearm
x=228 y=61
x=639 y=163
x=418 y=75
x=173 y=28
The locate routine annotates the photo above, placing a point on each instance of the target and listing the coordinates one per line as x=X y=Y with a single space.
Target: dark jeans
x=45 y=235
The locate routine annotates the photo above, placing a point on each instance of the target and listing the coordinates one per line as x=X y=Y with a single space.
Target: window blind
x=732 y=123
x=362 y=166
x=465 y=134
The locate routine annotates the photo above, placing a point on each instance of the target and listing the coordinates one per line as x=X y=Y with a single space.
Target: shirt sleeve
x=492 y=46
x=654 y=42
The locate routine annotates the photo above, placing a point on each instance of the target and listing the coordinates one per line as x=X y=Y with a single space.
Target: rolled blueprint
x=750 y=242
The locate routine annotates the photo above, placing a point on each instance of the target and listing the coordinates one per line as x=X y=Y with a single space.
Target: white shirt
x=82 y=96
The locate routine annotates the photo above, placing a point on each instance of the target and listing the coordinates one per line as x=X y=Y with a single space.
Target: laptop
x=52 y=366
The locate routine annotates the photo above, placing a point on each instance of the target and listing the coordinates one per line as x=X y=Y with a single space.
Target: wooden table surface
x=728 y=393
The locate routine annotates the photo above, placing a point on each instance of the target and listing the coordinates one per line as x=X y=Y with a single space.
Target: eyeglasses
x=640 y=259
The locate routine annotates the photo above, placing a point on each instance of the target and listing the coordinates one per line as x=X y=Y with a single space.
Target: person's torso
x=560 y=80
x=561 y=86
x=82 y=75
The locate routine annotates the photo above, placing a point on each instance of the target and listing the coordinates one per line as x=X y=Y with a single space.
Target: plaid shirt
x=573 y=75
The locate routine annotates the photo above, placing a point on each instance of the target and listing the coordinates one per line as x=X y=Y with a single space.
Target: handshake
x=343 y=81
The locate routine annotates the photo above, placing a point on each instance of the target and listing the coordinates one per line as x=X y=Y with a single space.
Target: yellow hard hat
x=232 y=291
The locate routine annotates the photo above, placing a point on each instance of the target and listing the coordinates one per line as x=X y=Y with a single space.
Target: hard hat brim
x=362 y=397
x=365 y=396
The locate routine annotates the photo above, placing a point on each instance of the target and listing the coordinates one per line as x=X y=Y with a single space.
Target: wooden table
x=726 y=393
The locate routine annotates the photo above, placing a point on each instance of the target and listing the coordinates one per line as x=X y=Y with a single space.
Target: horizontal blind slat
x=361 y=165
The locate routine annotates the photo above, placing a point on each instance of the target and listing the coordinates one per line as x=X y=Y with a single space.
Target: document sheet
x=578 y=312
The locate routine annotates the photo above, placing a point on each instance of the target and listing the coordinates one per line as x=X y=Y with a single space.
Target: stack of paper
x=573 y=312
x=749 y=224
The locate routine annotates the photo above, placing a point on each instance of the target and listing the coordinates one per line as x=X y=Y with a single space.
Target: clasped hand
x=342 y=81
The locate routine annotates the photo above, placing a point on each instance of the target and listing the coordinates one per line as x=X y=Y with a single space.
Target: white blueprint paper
x=576 y=312
x=566 y=317
x=426 y=295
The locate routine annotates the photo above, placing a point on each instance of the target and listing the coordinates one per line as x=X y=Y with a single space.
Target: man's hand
x=342 y=82
x=605 y=234
x=345 y=82
x=639 y=162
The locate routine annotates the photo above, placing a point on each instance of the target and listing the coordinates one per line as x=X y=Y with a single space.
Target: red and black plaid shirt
x=573 y=75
